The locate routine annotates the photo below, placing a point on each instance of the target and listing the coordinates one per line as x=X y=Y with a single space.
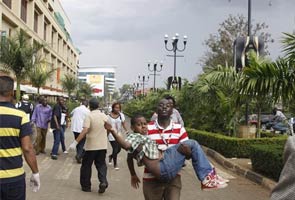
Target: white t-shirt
x=78 y=116
x=116 y=124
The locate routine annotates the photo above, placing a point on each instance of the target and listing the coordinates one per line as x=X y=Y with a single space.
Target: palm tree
x=19 y=56
x=84 y=90
x=39 y=75
x=69 y=83
x=222 y=86
x=289 y=46
x=260 y=81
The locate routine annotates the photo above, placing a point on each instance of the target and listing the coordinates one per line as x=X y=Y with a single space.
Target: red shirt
x=165 y=138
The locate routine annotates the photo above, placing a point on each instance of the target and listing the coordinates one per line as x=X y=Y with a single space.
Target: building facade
x=92 y=74
x=44 y=21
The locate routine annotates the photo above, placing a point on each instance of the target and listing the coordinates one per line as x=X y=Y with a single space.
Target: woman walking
x=117 y=120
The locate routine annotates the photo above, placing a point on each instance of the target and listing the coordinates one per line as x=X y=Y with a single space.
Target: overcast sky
x=129 y=33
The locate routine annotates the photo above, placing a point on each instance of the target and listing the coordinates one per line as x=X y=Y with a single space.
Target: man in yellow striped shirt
x=15 y=131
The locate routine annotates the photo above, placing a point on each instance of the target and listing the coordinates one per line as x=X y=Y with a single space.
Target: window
x=24 y=10
x=45 y=31
x=36 y=16
x=8 y=3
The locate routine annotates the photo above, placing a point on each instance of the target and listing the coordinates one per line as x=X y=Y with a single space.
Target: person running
x=117 y=120
x=95 y=147
x=78 y=116
x=15 y=143
x=166 y=165
x=41 y=118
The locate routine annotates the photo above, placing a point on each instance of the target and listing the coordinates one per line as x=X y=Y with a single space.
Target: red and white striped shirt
x=165 y=138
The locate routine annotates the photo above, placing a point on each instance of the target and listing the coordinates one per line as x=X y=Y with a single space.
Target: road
x=60 y=180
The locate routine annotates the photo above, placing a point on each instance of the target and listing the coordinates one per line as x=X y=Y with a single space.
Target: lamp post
x=174 y=49
x=134 y=88
x=155 y=70
x=143 y=79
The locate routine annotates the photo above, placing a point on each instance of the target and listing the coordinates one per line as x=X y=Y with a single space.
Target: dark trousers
x=13 y=191
x=56 y=137
x=62 y=137
x=98 y=157
x=80 y=145
x=116 y=150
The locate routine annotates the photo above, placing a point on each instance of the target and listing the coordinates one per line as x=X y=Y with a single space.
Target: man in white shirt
x=78 y=116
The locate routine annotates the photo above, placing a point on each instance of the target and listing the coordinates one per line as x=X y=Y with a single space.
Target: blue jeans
x=173 y=161
x=56 y=137
x=13 y=191
x=80 y=145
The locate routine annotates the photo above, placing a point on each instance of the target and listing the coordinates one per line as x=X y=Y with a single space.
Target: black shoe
x=54 y=157
x=78 y=159
x=86 y=189
x=102 y=188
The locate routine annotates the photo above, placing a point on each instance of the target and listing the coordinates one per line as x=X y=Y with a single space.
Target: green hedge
x=267 y=160
x=230 y=146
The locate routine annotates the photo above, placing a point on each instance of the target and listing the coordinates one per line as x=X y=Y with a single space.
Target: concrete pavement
x=60 y=180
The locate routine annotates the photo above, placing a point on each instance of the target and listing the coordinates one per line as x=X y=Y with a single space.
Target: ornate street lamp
x=175 y=48
x=155 y=70
x=143 y=80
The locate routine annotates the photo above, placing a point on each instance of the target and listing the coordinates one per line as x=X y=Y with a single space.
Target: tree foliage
x=39 y=75
x=84 y=90
x=19 y=56
x=220 y=45
x=69 y=83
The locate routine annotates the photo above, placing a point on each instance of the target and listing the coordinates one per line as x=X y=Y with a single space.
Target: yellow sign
x=95 y=79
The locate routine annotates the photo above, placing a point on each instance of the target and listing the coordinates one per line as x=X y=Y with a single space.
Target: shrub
x=230 y=146
x=267 y=160
x=265 y=134
x=145 y=105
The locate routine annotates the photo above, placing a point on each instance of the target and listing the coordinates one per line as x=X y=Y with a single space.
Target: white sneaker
x=210 y=183
x=221 y=180
x=66 y=152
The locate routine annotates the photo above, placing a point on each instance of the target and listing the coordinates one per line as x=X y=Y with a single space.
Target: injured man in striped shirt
x=165 y=165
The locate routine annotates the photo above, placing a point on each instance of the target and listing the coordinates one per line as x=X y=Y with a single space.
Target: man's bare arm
x=29 y=153
x=130 y=164
x=82 y=134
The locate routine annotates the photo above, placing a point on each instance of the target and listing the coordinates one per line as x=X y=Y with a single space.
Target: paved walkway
x=60 y=180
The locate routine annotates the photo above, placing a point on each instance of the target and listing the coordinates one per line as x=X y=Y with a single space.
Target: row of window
x=106 y=74
x=56 y=40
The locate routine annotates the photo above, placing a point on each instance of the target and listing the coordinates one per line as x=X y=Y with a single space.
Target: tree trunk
x=38 y=91
x=17 y=93
x=259 y=122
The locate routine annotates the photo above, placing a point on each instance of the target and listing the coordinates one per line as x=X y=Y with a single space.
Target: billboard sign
x=97 y=83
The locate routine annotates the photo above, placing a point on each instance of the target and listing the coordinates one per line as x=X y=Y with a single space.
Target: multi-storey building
x=44 y=21
x=107 y=73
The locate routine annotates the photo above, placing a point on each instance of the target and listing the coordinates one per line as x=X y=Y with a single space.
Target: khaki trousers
x=155 y=190
x=41 y=140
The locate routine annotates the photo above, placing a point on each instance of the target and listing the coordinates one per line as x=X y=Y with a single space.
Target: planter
x=246 y=131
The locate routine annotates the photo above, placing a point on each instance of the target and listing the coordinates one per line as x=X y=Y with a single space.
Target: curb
x=248 y=174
